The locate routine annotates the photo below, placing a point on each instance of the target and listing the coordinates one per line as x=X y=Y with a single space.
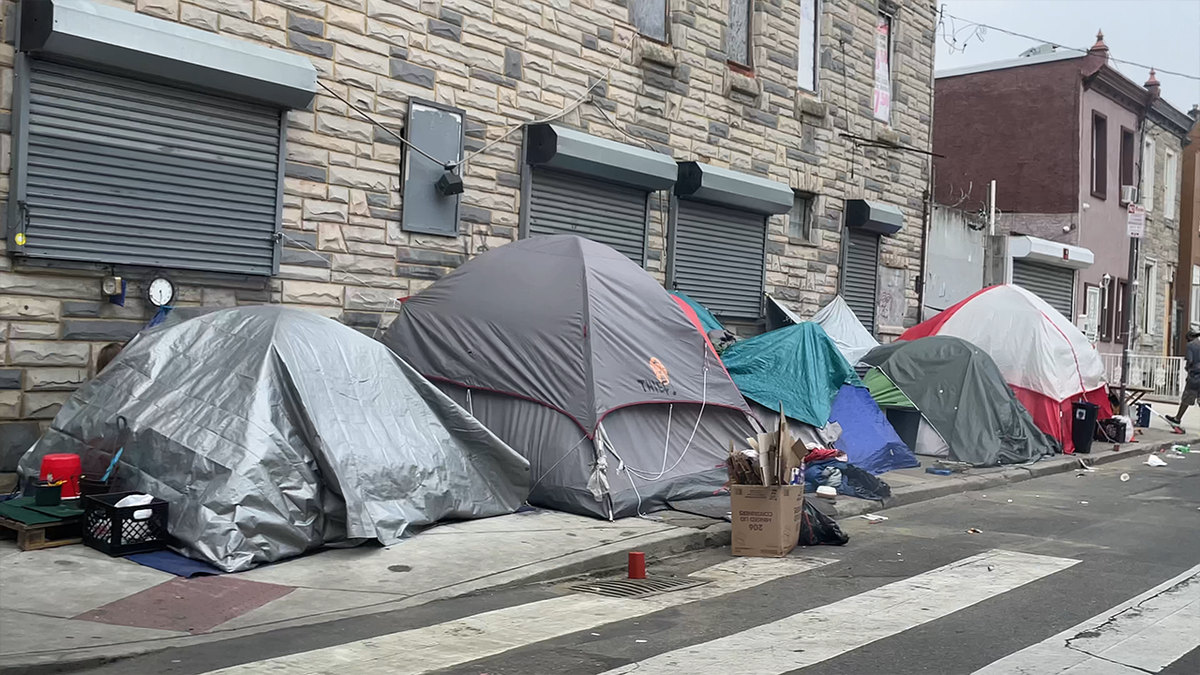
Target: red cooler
x=63 y=467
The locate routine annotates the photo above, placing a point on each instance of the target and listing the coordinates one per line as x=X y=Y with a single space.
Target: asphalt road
x=1112 y=566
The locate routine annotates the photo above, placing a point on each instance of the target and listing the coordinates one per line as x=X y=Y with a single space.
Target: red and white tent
x=1044 y=358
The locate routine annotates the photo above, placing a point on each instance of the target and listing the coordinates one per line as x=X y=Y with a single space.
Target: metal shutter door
x=127 y=172
x=611 y=214
x=860 y=278
x=1055 y=285
x=720 y=258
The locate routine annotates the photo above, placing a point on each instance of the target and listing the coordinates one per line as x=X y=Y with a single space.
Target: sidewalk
x=74 y=607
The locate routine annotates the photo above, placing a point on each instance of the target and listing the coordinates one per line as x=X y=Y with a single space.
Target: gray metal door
x=720 y=258
x=1054 y=284
x=860 y=275
x=561 y=203
x=121 y=171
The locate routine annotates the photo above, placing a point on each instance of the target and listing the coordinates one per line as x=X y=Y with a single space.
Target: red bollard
x=637 y=565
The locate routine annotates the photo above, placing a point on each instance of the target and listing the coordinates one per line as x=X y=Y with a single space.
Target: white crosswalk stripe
x=1143 y=635
x=475 y=637
x=819 y=634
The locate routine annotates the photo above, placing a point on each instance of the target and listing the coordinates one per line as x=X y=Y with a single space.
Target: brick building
x=732 y=147
x=1060 y=133
x=1187 y=286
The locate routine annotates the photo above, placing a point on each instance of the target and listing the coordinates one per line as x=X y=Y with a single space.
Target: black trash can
x=1083 y=425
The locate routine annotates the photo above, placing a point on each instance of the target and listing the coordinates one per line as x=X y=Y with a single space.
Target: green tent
x=707 y=320
x=885 y=392
x=960 y=391
x=798 y=366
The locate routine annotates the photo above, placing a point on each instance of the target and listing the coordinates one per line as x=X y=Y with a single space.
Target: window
x=1091 y=322
x=737 y=37
x=1127 y=150
x=1099 y=156
x=1194 y=314
x=1121 y=329
x=809 y=46
x=1171 y=187
x=800 y=219
x=1148 y=298
x=883 y=68
x=650 y=18
x=1148 y=162
x=1109 y=310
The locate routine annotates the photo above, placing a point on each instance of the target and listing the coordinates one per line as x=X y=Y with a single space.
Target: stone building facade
x=1159 y=319
x=345 y=251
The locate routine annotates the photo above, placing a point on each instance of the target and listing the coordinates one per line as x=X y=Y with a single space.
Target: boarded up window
x=737 y=36
x=438 y=131
x=650 y=18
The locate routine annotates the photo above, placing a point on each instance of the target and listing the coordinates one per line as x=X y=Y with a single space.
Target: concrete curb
x=968 y=483
x=664 y=545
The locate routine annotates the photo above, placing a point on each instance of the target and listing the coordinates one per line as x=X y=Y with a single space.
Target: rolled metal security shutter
x=122 y=171
x=860 y=278
x=612 y=214
x=1055 y=285
x=720 y=258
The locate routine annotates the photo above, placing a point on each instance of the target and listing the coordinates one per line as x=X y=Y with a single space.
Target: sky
x=1160 y=33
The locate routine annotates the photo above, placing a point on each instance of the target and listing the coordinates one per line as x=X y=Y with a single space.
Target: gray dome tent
x=272 y=431
x=959 y=389
x=583 y=363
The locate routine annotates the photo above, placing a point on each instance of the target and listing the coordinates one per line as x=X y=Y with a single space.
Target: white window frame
x=1194 y=314
x=1149 y=148
x=809 y=81
x=1149 y=298
x=1170 y=184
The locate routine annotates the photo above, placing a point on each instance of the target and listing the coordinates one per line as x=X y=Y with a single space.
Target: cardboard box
x=766 y=519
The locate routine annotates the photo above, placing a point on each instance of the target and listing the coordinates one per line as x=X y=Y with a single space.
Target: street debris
x=1124 y=478
x=872 y=518
x=974 y=530
x=1084 y=503
x=1154 y=460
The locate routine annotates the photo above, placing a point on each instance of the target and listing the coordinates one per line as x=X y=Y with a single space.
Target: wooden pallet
x=44 y=535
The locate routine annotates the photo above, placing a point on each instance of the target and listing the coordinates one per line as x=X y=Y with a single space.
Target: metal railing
x=1166 y=375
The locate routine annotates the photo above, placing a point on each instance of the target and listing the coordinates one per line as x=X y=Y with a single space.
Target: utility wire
x=570 y=107
x=372 y=120
x=450 y=166
x=1073 y=49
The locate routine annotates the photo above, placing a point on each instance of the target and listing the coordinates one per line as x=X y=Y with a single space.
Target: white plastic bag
x=137 y=500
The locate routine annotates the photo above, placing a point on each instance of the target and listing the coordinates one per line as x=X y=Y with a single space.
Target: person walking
x=1191 y=390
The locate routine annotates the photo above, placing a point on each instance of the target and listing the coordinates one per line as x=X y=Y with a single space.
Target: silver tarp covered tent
x=273 y=431
x=582 y=362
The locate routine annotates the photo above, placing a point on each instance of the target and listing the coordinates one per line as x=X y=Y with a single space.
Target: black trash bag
x=865 y=485
x=816 y=528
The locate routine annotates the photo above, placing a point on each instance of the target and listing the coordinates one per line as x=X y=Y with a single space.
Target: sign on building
x=1135 y=221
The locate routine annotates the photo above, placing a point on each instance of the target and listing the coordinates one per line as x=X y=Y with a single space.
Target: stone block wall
x=1161 y=243
x=507 y=62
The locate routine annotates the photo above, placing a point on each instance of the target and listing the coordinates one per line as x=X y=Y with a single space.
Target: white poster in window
x=883 y=69
x=806 y=73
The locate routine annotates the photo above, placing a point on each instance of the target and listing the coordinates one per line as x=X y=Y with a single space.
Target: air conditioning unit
x=1129 y=194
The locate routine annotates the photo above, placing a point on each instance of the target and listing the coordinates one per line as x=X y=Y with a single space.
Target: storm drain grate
x=636 y=588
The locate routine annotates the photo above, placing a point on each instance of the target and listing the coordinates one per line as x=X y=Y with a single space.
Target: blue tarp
x=798 y=366
x=707 y=320
x=868 y=439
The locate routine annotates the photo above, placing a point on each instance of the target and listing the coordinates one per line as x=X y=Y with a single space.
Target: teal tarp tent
x=798 y=366
x=707 y=321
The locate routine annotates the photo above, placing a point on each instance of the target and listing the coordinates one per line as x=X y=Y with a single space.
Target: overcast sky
x=1160 y=33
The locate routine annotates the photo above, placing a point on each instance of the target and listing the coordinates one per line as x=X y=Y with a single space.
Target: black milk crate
x=116 y=532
